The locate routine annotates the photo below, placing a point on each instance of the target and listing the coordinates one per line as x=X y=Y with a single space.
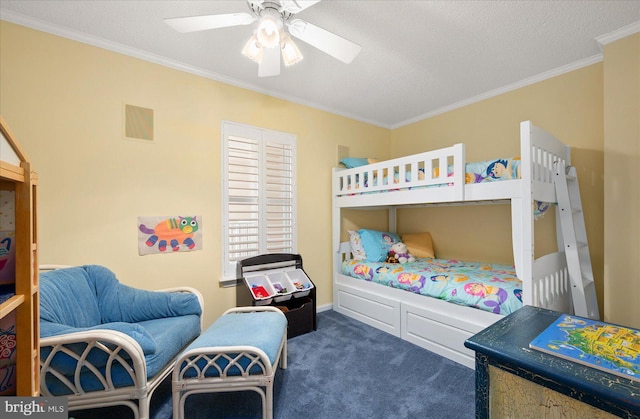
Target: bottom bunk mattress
x=490 y=287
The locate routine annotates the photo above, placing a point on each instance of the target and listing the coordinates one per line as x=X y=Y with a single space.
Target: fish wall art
x=169 y=234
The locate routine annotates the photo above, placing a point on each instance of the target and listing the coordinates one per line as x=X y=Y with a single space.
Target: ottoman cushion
x=263 y=330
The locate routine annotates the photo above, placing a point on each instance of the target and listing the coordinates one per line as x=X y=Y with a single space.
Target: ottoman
x=239 y=351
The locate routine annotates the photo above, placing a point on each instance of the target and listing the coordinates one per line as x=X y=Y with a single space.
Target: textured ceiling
x=418 y=58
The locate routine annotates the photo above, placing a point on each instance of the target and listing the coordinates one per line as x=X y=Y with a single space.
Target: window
x=259 y=193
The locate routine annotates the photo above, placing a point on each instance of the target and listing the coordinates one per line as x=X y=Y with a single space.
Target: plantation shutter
x=243 y=192
x=279 y=197
x=258 y=194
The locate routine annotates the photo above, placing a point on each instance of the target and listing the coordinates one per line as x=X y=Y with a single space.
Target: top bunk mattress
x=490 y=287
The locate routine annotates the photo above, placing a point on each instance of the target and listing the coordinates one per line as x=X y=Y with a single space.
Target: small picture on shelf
x=607 y=347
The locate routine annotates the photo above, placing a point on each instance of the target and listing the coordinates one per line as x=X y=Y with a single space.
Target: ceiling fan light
x=290 y=52
x=268 y=32
x=253 y=50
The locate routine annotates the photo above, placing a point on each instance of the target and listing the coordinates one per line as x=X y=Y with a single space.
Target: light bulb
x=253 y=50
x=290 y=52
x=268 y=32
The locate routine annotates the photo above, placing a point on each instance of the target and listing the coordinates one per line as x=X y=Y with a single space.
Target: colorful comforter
x=492 y=170
x=489 y=287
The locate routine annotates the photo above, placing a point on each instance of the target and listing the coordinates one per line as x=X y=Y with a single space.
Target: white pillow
x=356 y=245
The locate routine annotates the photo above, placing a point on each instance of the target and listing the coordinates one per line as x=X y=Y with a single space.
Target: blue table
x=511 y=378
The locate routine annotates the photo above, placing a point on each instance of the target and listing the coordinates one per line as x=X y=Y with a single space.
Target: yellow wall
x=622 y=188
x=569 y=106
x=64 y=101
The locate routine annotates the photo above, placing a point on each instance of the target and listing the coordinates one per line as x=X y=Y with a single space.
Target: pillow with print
x=377 y=244
x=356 y=245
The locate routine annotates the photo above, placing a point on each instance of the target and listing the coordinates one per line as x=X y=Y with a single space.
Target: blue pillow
x=377 y=243
x=351 y=162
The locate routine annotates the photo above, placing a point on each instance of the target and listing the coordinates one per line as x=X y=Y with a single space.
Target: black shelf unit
x=300 y=312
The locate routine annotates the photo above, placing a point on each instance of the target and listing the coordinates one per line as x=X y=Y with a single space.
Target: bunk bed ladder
x=574 y=236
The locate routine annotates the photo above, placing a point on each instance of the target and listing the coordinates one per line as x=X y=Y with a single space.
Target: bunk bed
x=440 y=177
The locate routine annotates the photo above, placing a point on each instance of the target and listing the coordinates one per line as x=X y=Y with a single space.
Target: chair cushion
x=120 y=303
x=136 y=331
x=171 y=334
x=67 y=298
x=85 y=296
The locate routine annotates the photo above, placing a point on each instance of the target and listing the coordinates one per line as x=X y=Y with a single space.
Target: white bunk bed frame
x=431 y=323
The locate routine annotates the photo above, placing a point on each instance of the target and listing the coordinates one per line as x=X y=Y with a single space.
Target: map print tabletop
x=608 y=347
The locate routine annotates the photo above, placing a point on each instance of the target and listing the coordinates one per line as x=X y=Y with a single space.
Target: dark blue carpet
x=345 y=369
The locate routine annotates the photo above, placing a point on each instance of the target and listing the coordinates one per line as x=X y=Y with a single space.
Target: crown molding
x=52 y=29
x=36 y=24
x=46 y=27
x=623 y=32
x=508 y=88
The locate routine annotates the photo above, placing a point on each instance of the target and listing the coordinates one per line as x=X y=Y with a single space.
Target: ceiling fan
x=271 y=39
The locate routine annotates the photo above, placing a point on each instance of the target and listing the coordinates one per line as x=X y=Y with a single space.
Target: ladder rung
x=586 y=282
x=571 y=220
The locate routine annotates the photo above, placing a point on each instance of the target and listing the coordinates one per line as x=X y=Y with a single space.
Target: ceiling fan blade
x=270 y=65
x=203 y=23
x=296 y=6
x=327 y=42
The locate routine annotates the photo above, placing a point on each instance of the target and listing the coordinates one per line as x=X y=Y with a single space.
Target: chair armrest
x=73 y=358
x=52 y=267
x=251 y=309
x=190 y=290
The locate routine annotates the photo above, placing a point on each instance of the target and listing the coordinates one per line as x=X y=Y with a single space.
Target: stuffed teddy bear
x=400 y=252
x=391 y=258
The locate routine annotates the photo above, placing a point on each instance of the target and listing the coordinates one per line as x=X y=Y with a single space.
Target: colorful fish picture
x=169 y=234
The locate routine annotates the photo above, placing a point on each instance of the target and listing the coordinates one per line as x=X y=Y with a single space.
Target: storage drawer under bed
x=370 y=308
x=437 y=333
x=436 y=325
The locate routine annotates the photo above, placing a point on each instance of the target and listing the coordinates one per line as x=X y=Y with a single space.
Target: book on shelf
x=607 y=347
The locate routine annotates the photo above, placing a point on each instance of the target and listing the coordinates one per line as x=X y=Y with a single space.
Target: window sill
x=229 y=282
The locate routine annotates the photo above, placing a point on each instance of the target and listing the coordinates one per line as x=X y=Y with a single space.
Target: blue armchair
x=103 y=343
